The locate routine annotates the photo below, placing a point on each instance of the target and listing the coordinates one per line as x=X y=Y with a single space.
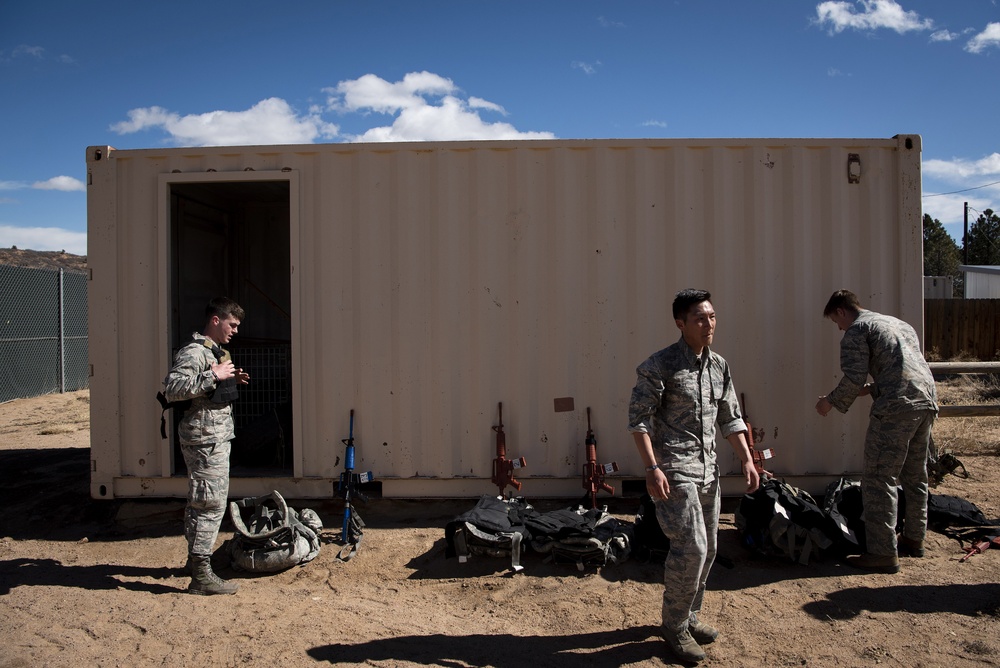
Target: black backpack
x=959 y=518
x=782 y=520
x=842 y=501
x=181 y=406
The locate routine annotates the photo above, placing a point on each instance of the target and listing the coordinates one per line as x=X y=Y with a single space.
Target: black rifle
x=348 y=487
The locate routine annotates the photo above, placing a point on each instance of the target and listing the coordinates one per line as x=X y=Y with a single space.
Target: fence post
x=62 y=333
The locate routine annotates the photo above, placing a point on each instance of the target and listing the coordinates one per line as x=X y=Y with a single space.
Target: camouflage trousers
x=895 y=454
x=208 y=489
x=690 y=519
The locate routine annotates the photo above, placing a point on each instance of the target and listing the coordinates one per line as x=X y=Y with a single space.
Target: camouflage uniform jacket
x=887 y=349
x=677 y=399
x=191 y=378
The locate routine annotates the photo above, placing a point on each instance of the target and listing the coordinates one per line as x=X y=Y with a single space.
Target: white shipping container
x=422 y=284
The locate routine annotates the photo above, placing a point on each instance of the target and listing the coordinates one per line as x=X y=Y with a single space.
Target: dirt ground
x=99 y=583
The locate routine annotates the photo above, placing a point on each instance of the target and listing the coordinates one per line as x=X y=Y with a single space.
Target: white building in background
x=981 y=281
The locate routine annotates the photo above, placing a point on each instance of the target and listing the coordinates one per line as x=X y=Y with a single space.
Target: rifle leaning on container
x=593 y=473
x=759 y=456
x=503 y=468
x=347 y=487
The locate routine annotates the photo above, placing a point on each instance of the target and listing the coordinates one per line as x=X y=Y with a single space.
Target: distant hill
x=43 y=259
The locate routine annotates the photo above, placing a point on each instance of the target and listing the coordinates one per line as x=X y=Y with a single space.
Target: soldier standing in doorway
x=204 y=374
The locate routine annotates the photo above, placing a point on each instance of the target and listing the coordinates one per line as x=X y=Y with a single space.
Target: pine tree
x=984 y=239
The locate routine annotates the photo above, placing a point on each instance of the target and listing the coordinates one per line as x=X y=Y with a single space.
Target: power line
x=955 y=192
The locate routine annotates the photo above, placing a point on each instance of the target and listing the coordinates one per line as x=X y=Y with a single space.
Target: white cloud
x=841 y=15
x=990 y=37
x=370 y=92
x=655 y=124
x=587 y=68
x=142 y=119
x=949 y=184
x=270 y=121
x=944 y=36
x=608 y=23
x=426 y=106
x=26 y=50
x=958 y=170
x=451 y=120
x=480 y=103
x=63 y=183
x=43 y=239
x=950 y=210
x=34 y=52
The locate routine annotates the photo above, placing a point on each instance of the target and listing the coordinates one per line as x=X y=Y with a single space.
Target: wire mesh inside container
x=270 y=369
x=263 y=413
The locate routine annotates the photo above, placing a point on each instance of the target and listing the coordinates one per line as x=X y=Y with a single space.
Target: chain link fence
x=43 y=332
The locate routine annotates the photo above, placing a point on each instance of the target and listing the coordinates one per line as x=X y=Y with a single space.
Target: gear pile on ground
x=270 y=536
x=784 y=521
x=507 y=527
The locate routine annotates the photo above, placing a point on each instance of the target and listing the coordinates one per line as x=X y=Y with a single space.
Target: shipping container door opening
x=232 y=239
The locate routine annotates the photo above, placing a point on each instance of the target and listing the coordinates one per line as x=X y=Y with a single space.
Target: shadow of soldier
x=50 y=572
x=603 y=649
x=971 y=600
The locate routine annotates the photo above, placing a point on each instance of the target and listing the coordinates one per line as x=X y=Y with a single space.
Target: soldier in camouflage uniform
x=899 y=429
x=205 y=374
x=679 y=395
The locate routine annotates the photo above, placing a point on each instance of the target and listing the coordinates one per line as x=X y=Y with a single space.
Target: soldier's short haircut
x=686 y=299
x=224 y=307
x=844 y=299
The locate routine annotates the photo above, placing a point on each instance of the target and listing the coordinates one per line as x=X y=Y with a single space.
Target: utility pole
x=965 y=238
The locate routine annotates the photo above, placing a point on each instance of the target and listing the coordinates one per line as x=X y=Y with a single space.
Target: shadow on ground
x=609 y=648
x=54 y=573
x=959 y=599
x=46 y=496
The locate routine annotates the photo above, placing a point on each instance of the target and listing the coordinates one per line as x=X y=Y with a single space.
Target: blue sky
x=146 y=75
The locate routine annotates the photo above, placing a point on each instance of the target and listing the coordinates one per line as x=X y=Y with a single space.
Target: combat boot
x=704 y=634
x=684 y=646
x=878 y=563
x=907 y=547
x=205 y=582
